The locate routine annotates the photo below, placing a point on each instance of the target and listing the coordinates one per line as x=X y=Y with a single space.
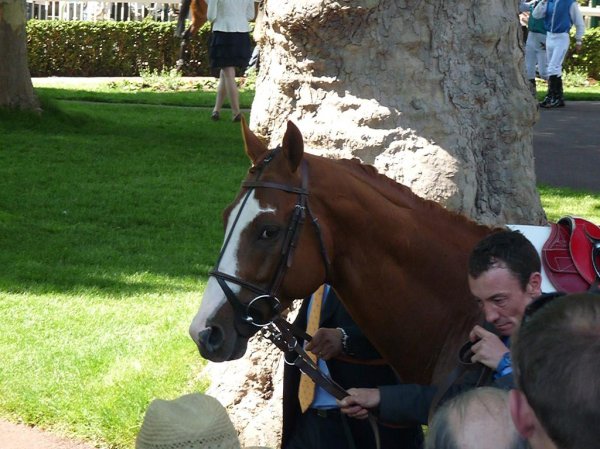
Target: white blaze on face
x=214 y=298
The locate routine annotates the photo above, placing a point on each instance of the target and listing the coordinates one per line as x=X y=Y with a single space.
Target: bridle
x=249 y=317
x=265 y=307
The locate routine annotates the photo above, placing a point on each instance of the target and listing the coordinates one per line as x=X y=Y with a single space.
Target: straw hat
x=192 y=421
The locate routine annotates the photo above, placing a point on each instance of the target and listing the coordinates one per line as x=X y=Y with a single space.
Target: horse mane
x=399 y=194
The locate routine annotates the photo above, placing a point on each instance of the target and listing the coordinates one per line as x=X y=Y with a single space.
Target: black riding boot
x=551 y=92
x=557 y=101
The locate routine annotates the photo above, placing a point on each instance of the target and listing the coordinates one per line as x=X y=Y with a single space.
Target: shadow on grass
x=186 y=98
x=114 y=199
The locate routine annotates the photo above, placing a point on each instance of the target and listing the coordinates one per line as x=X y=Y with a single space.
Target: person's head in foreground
x=556 y=358
x=192 y=421
x=476 y=419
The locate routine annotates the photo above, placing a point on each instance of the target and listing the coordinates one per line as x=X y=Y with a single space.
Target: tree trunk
x=251 y=389
x=432 y=93
x=16 y=89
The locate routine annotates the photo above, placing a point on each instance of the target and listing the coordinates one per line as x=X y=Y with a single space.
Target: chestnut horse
x=397 y=261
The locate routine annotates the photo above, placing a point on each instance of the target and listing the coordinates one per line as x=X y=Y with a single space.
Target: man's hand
x=326 y=343
x=577 y=47
x=360 y=400
x=488 y=348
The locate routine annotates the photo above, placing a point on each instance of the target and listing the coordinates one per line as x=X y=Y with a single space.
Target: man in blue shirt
x=559 y=16
x=504 y=277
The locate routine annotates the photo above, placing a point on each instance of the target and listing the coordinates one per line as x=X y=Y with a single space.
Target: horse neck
x=399 y=264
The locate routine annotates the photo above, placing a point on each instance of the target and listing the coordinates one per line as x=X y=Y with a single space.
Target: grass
x=166 y=90
x=558 y=202
x=109 y=223
x=132 y=94
x=576 y=88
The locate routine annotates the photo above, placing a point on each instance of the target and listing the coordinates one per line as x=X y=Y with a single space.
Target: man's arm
x=577 y=19
x=410 y=403
x=488 y=349
x=525 y=6
x=403 y=403
x=539 y=12
x=326 y=343
x=354 y=341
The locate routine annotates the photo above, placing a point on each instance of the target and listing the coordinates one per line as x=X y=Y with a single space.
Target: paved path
x=19 y=436
x=566 y=145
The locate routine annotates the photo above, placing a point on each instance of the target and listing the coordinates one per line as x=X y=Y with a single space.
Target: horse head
x=268 y=257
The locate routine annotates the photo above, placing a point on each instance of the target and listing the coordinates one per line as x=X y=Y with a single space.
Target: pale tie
x=306 y=390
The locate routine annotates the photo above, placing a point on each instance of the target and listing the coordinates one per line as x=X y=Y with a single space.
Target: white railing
x=138 y=10
x=97 y=10
x=590 y=11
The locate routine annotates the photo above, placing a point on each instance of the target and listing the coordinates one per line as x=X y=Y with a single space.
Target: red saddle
x=571 y=255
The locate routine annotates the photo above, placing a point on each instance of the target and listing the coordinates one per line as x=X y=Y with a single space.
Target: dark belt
x=325 y=413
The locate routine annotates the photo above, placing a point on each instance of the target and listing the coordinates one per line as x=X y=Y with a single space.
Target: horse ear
x=252 y=145
x=293 y=145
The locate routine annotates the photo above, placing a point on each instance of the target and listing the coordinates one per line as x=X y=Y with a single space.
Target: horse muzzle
x=214 y=346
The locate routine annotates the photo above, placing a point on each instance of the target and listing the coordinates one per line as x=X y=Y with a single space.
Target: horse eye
x=269 y=232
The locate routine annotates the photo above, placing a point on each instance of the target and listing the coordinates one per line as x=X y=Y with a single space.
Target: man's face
x=501 y=297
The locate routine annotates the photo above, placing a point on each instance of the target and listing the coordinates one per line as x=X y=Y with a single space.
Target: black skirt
x=229 y=50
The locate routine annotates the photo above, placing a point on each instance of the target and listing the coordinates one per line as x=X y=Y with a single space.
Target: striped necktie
x=306 y=390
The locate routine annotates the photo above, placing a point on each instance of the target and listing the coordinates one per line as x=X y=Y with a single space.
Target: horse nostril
x=211 y=338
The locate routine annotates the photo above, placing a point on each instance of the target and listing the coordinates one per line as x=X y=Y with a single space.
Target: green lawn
x=163 y=90
x=558 y=202
x=109 y=223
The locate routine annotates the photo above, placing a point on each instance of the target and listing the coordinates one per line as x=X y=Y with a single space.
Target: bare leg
x=228 y=74
x=221 y=92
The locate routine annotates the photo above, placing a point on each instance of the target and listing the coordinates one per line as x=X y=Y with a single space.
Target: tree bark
x=16 y=89
x=432 y=93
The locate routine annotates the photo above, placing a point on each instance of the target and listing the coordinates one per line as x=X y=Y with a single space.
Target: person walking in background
x=535 y=46
x=559 y=16
x=229 y=47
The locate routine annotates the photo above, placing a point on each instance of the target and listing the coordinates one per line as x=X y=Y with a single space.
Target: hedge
x=73 y=48
x=587 y=59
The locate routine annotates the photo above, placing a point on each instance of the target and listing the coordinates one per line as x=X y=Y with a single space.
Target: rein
x=464 y=365
x=284 y=335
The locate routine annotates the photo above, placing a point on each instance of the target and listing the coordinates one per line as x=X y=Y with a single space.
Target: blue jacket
x=558 y=18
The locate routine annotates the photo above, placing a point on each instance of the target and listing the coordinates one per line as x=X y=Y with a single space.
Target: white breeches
x=557 y=45
x=535 y=54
